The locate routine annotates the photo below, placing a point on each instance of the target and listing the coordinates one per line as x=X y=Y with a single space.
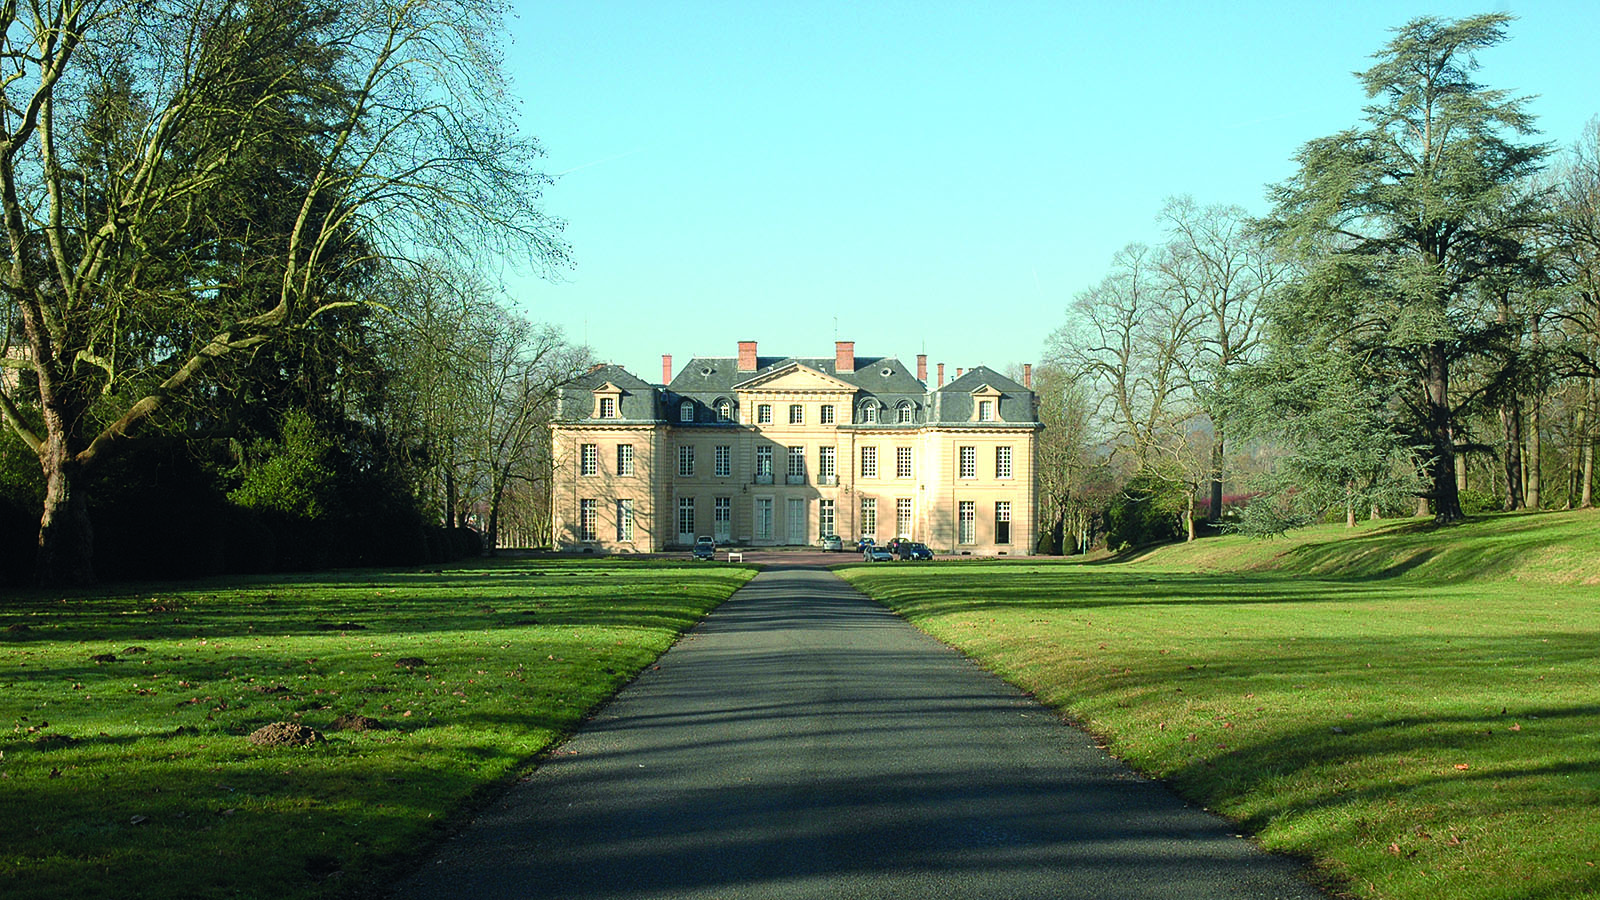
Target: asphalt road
x=803 y=742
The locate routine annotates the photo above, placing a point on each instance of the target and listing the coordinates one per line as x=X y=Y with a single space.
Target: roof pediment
x=794 y=378
x=607 y=388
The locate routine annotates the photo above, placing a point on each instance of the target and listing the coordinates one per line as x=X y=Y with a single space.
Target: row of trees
x=1415 y=315
x=238 y=245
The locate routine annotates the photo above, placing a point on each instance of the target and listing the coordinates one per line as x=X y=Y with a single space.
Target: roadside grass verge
x=1422 y=729
x=125 y=769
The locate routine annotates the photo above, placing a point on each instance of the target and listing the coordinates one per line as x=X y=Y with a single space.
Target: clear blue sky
x=934 y=177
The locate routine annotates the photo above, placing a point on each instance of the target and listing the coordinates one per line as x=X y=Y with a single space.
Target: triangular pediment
x=986 y=390
x=796 y=378
x=607 y=388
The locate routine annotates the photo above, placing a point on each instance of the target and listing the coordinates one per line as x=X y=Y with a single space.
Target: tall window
x=686 y=515
x=1002 y=462
x=902 y=462
x=797 y=462
x=686 y=411
x=869 y=462
x=903 y=412
x=608 y=407
x=723 y=460
x=624 y=520
x=724 y=411
x=764 y=460
x=764 y=414
x=797 y=414
x=686 y=461
x=869 y=412
x=985 y=410
x=763 y=518
x=825 y=518
x=826 y=416
x=624 y=459
x=586 y=520
x=869 y=516
x=722 y=516
x=1002 y=522
x=902 y=517
x=969 y=462
x=966 y=522
x=825 y=464
x=589 y=459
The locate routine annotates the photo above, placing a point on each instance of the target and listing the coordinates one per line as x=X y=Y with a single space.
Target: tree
x=1407 y=214
x=1575 y=254
x=185 y=183
x=1064 y=460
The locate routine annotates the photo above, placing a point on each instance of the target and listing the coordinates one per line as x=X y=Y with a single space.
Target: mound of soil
x=411 y=662
x=354 y=722
x=284 y=734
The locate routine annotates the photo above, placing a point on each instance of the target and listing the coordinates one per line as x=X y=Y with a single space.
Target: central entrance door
x=797 y=520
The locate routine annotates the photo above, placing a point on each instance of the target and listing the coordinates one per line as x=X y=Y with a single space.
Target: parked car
x=864 y=543
x=705 y=548
x=895 y=544
x=912 y=550
x=833 y=542
x=876 y=554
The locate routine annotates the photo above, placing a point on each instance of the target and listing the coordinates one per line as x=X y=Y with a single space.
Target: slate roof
x=953 y=403
x=640 y=401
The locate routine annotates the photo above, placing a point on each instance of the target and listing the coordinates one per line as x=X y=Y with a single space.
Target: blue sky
x=937 y=177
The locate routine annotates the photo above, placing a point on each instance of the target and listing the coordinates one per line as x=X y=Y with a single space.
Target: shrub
x=1147 y=511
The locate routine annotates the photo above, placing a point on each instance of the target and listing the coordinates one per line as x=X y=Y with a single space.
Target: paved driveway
x=804 y=743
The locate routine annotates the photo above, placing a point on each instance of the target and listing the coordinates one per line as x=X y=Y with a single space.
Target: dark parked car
x=876 y=554
x=705 y=548
x=913 y=550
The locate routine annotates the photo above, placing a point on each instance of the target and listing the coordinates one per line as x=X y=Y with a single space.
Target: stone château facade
x=765 y=451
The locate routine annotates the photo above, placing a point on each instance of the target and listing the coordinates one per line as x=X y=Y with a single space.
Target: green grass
x=133 y=778
x=1416 y=709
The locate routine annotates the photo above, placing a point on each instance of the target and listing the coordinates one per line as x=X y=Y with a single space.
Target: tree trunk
x=1442 y=467
x=1216 y=475
x=1188 y=518
x=66 y=538
x=1375 y=514
x=1532 y=463
x=1586 y=435
x=1511 y=420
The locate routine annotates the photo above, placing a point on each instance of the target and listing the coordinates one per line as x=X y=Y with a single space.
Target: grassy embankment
x=126 y=771
x=1416 y=709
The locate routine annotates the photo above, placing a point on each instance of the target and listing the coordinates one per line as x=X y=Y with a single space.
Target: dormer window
x=686 y=411
x=869 y=413
x=905 y=413
x=985 y=410
x=608 y=407
x=724 y=410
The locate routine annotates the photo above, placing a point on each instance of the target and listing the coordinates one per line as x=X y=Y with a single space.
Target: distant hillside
x=1536 y=548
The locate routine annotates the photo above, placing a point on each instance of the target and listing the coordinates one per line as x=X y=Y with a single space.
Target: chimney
x=747 y=356
x=959 y=371
x=1027 y=375
x=922 y=367
x=666 y=368
x=844 y=357
x=941 y=374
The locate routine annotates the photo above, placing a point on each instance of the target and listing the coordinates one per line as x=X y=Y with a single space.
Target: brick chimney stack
x=666 y=368
x=1027 y=375
x=747 y=356
x=959 y=371
x=941 y=374
x=844 y=357
x=922 y=367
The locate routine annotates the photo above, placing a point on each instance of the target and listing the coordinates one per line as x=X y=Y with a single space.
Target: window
x=686 y=461
x=685 y=515
x=902 y=462
x=825 y=465
x=869 y=517
x=1002 y=462
x=608 y=407
x=686 y=411
x=985 y=410
x=797 y=463
x=722 y=515
x=1002 y=522
x=624 y=520
x=589 y=459
x=624 y=459
x=586 y=517
x=763 y=518
x=764 y=460
x=869 y=462
x=827 y=415
x=825 y=518
x=723 y=460
x=904 y=413
x=869 y=413
x=966 y=522
x=724 y=411
x=969 y=462
x=764 y=414
x=902 y=517
x=797 y=414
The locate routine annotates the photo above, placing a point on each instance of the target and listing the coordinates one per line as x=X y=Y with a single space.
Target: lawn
x=1416 y=709
x=128 y=772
